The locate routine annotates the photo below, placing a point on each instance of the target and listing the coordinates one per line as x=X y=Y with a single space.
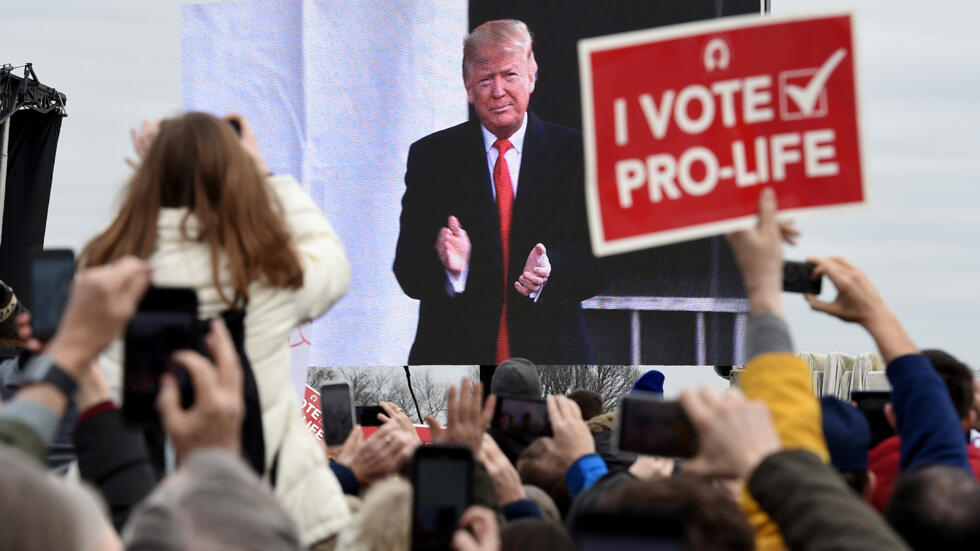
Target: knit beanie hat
x=516 y=377
x=847 y=433
x=651 y=381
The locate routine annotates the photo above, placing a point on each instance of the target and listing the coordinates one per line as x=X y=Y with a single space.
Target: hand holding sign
x=682 y=125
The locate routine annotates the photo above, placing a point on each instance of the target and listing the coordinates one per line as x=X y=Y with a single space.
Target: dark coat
x=448 y=175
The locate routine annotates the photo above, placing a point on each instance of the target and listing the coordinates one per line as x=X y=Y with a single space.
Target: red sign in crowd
x=314 y=423
x=685 y=125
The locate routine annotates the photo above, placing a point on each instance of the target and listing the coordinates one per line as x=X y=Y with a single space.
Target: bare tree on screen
x=611 y=382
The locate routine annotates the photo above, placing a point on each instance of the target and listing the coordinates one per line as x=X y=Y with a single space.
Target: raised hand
x=759 y=254
x=249 y=142
x=384 y=453
x=478 y=530
x=394 y=414
x=101 y=302
x=735 y=433
x=858 y=301
x=466 y=420
x=537 y=270
x=142 y=139
x=215 y=418
x=505 y=478
x=571 y=435
x=453 y=247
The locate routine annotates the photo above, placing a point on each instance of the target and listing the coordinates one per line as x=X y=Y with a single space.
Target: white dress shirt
x=457 y=284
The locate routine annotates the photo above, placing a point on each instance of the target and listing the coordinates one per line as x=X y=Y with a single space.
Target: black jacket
x=448 y=175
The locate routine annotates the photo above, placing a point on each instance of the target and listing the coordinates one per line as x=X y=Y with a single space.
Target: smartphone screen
x=337 y=412
x=525 y=415
x=600 y=531
x=367 y=416
x=796 y=278
x=442 y=478
x=52 y=272
x=872 y=405
x=652 y=426
x=165 y=321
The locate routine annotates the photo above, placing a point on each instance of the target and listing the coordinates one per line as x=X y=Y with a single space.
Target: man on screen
x=493 y=239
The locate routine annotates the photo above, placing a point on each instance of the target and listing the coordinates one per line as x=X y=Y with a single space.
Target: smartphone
x=165 y=321
x=367 y=416
x=337 y=412
x=442 y=477
x=797 y=278
x=527 y=416
x=52 y=272
x=872 y=405
x=652 y=426
x=600 y=531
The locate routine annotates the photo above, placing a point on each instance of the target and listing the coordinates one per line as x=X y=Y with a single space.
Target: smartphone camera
x=653 y=426
x=442 y=478
x=52 y=272
x=164 y=322
x=515 y=414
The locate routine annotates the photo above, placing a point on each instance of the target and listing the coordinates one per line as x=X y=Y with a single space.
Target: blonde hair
x=503 y=34
x=384 y=522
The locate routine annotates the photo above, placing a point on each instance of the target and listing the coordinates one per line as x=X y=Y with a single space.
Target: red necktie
x=505 y=200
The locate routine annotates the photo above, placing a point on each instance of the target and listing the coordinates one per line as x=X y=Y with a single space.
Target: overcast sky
x=119 y=61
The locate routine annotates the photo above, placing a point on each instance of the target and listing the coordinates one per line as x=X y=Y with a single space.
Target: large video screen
x=338 y=91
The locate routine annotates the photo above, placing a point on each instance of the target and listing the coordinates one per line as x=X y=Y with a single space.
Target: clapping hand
x=453 y=247
x=537 y=269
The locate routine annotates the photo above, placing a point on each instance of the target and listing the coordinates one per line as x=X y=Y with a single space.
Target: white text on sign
x=763 y=160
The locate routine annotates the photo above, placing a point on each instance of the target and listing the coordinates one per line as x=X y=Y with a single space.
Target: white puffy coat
x=306 y=486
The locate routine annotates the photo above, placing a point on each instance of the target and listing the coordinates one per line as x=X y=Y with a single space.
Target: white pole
x=4 y=140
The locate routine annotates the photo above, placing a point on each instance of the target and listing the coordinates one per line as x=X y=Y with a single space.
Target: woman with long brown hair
x=204 y=210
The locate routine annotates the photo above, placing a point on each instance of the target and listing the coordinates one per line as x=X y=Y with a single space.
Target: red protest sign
x=685 y=125
x=311 y=412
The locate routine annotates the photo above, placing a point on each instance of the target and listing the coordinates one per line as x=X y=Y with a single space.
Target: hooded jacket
x=603 y=429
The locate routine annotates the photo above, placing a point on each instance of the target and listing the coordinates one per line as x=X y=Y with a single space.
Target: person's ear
x=890 y=415
x=470 y=95
x=969 y=421
x=870 y=485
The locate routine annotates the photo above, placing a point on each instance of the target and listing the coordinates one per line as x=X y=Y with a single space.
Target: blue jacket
x=930 y=431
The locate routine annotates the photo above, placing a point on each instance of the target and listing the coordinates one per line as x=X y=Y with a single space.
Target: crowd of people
x=235 y=468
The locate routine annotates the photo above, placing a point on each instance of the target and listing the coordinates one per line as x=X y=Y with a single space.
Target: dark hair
x=958 y=379
x=539 y=465
x=857 y=479
x=936 y=507
x=710 y=519
x=589 y=402
x=532 y=534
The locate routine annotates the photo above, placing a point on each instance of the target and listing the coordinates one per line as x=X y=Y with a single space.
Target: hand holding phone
x=164 y=322
x=798 y=278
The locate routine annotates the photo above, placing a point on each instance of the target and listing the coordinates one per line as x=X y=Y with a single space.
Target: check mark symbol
x=806 y=96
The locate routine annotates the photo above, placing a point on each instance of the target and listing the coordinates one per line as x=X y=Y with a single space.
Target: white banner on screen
x=337 y=91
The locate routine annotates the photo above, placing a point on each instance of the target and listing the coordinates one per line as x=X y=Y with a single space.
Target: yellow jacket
x=782 y=381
